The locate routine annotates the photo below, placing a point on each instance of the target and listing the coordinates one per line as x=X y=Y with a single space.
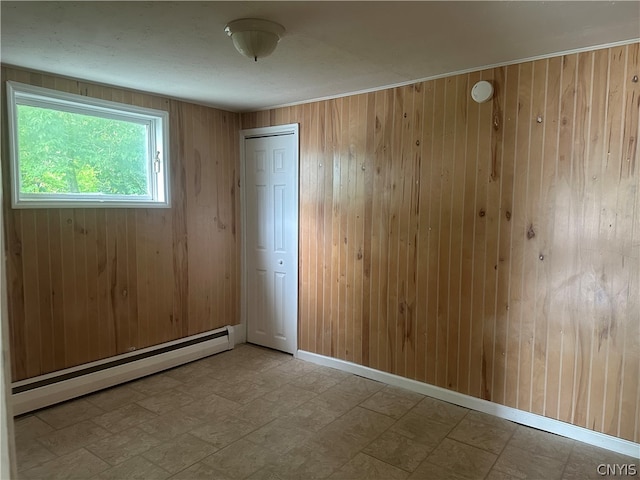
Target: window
x=74 y=151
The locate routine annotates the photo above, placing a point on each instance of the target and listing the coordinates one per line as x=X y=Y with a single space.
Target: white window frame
x=158 y=148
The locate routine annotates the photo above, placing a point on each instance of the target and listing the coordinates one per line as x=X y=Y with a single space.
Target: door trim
x=289 y=129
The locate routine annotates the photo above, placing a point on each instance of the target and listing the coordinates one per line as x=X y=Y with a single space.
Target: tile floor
x=258 y=414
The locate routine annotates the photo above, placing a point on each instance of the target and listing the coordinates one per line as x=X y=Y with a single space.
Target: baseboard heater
x=44 y=390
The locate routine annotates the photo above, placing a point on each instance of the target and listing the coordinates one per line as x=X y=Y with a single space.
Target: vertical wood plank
x=582 y=324
x=424 y=207
x=481 y=151
x=57 y=292
x=378 y=254
x=368 y=221
x=307 y=206
x=357 y=129
x=458 y=200
x=405 y=180
x=394 y=186
x=47 y=334
x=502 y=266
x=32 y=331
x=414 y=143
x=467 y=248
x=70 y=288
x=520 y=232
x=435 y=201
x=627 y=231
x=489 y=217
x=334 y=250
x=92 y=337
x=533 y=314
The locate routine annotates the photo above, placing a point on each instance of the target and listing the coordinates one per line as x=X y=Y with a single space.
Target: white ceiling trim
x=458 y=72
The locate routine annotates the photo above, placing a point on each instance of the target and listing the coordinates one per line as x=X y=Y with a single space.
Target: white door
x=271 y=239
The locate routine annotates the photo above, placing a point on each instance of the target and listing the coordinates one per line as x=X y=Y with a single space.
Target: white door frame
x=292 y=128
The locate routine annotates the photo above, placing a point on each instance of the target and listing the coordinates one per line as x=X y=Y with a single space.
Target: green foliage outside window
x=62 y=152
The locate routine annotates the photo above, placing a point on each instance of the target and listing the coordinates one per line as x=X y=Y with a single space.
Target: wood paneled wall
x=85 y=284
x=489 y=249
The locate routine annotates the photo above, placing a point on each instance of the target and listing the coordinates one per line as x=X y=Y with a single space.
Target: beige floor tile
x=267 y=473
x=68 y=439
x=465 y=460
x=392 y=401
x=170 y=425
x=260 y=411
x=364 y=467
x=440 y=411
x=353 y=431
x=360 y=423
x=492 y=420
x=496 y=475
x=220 y=360
x=279 y=436
x=421 y=429
x=30 y=426
x=314 y=382
x=542 y=443
x=241 y=459
x=233 y=374
x=334 y=373
x=154 y=384
x=262 y=363
x=136 y=468
x=585 y=461
x=479 y=434
x=222 y=432
x=191 y=372
x=308 y=461
x=526 y=464
x=119 y=447
x=201 y=387
x=200 y=471
x=179 y=453
x=241 y=392
x=68 y=413
x=431 y=471
x=115 y=397
x=124 y=417
x=30 y=453
x=289 y=396
x=79 y=464
x=296 y=367
x=312 y=415
x=273 y=379
x=338 y=401
x=361 y=387
x=211 y=407
x=249 y=350
x=166 y=401
x=398 y=450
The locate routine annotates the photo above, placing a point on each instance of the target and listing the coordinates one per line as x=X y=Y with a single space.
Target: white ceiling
x=179 y=49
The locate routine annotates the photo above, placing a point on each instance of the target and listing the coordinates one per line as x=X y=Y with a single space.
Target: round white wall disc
x=482 y=91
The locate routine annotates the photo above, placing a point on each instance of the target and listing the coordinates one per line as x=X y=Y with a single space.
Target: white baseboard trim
x=534 y=420
x=38 y=392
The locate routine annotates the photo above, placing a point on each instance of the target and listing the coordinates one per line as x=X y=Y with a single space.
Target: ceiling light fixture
x=254 y=38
